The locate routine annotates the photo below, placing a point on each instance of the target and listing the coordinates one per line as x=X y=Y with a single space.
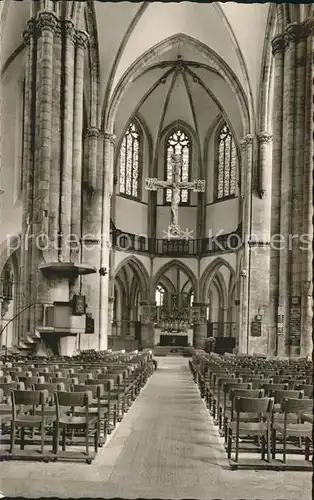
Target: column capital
x=110 y=137
x=292 y=33
x=264 y=137
x=304 y=30
x=31 y=30
x=93 y=132
x=278 y=44
x=309 y=26
x=47 y=21
x=81 y=38
x=69 y=30
x=247 y=141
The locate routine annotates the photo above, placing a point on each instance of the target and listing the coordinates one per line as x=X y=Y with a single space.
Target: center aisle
x=165 y=447
x=168 y=453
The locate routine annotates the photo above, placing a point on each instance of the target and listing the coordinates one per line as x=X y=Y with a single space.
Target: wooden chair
x=30 y=381
x=236 y=392
x=225 y=404
x=70 y=422
x=261 y=410
x=108 y=400
x=116 y=391
x=98 y=407
x=228 y=390
x=297 y=429
x=217 y=383
x=5 y=412
x=50 y=409
x=24 y=405
x=258 y=382
x=67 y=382
x=306 y=388
x=279 y=396
x=271 y=388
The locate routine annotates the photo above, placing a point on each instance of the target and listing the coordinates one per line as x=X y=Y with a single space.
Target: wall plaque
x=295 y=320
x=256 y=329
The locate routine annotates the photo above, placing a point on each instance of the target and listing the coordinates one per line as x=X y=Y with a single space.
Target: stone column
x=297 y=188
x=91 y=237
x=93 y=135
x=286 y=182
x=67 y=149
x=278 y=53
x=247 y=160
x=109 y=142
x=28 y=172
x=111 y=291
x=56 y=141
x=259 y=247
x=46 y=25
x=81 y=39
x=199 y=335
x=200 y=325
x=306 y=345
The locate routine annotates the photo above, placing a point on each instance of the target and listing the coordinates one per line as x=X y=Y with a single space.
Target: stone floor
x=166 y=447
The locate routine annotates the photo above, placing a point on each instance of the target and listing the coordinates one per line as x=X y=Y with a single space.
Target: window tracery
x=178 y=142
x=226 y=164
x=129 y=161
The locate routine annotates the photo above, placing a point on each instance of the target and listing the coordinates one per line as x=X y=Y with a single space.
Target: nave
x=165 y=447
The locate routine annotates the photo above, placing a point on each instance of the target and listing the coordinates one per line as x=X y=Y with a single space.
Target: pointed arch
x=209 y=273
x=265 y=101
x=226 y=163
x=178 y=140
x=94 y=64
x=219 y=280
x=138 y=269
x=167 y=284
x=214 y=61
x=174 y=263
x=131 y=160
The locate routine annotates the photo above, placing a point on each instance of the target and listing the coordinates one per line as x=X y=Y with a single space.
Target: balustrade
x=176 y=247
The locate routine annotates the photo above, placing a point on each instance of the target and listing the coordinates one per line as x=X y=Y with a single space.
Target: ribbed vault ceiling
x=127 y=30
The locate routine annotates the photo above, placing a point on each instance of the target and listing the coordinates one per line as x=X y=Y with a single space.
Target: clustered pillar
x=278 y=55
x=104 y=290
x=292 y=191
x=52 y=161
x=247 y=160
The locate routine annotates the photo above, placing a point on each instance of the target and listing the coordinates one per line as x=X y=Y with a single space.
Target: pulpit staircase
x=25 y=346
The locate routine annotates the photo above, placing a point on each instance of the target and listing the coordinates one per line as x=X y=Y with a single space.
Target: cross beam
x=176 y=186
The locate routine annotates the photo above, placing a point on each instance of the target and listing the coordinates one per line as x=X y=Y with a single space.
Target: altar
x=173 y=340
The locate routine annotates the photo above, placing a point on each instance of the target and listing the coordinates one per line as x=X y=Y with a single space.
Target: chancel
x=156 y=280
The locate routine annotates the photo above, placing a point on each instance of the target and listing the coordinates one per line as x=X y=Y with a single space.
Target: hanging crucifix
x=175 y=185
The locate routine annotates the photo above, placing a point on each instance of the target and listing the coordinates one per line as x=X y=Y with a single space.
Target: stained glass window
x=226 y=164
x=129 y=161
x=178 y=143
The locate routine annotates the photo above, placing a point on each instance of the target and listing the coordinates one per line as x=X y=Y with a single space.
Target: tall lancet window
x=129 y=161
x=226 y=166
x=178 y=142
x=160 y=295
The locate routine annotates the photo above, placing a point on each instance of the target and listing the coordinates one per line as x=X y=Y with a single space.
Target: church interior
x=156 y=249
